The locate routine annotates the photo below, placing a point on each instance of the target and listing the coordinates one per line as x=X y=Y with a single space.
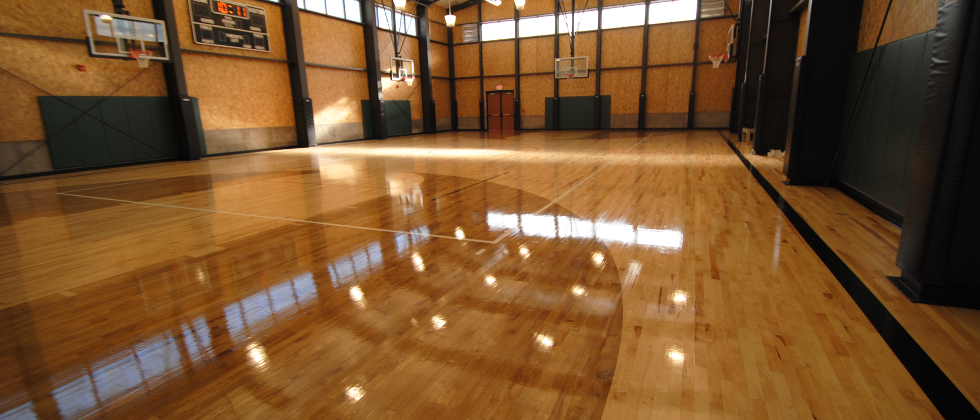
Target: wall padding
x=439 y=59
x=622 y=47
x=534 y=91
x=713 y=37
x=623 y=86
x=273 y=14
x=239 y=93
x=713 y=88
x=498 y=57
x=332 y=41
x=51 y=66
x=467 y=60
x=538 y=55
x=468 y=97
x=336 y=94
x=401 y=91
x=906 y=18
x=671 y=43
x=668 y=89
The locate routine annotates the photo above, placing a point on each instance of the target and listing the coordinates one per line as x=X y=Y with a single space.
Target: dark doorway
x=500 y=110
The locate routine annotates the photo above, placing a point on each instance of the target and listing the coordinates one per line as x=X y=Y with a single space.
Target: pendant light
x=450 y=17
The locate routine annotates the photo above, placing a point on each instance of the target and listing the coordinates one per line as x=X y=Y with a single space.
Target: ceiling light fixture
x=450 y=17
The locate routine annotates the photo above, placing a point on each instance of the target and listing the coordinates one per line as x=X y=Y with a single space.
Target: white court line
x=609 y=162
x=275 y=218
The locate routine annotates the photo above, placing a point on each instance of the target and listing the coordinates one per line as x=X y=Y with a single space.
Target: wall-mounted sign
x=229 y=24
x=500 y=87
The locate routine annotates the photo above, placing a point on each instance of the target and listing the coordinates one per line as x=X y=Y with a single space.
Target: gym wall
x=439 y=58
x=40 y=58
x=670 y=71
x=879 y=141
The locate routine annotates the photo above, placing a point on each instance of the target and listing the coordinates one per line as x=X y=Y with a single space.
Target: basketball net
x=717 y=59
x=142 y=57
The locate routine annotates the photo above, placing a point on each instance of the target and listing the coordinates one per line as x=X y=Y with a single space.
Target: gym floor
x=572 y=274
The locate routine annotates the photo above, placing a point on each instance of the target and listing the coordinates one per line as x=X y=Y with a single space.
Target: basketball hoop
x=717 y=59
x=142 y=57
x=570 y=73
x=409 y=80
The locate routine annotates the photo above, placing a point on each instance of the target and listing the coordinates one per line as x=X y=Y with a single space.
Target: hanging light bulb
x=399 y=4
x=450 y=17
x=519 y=4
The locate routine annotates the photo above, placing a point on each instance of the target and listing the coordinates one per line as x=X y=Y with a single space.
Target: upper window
x=493 y=31
x=587 y=20
x=344 y=9
x=621 y=17
x=673 y=11
x=537 y=26
x=406 y=23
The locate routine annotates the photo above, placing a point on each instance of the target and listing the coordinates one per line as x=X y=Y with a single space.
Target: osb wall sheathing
x=237 y=93
x=61 y=18
x=713 y=37
x=622 y=47
x=623 y=86
x=273 y=18
x=668 y=89
x=671 y=43
x=332 y=41
x=438 y=14
x=386 y=50
x=713 y=88
x=504 y=11
x=437 y=31
x=608 y=3
x=336 y=94
x=490 y=83
x=440 y=94
x=538 y=55
x=468 y=97
x=801 y=38
x=537 y=8
x=439 y=59
x=577 y=87
x=534 y=91
x=584 y=47
x=467 y=15
x=52 y=67
x=906 y=18
x=466 y=60
x=401 y=91
x=498 y=58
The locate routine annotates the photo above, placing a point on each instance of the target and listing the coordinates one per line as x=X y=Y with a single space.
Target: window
x=622 y=17
x=537 y=26
x=503 y=29
x=344 y=9
x=673 y=11
x=405 y=22
x=584 y=21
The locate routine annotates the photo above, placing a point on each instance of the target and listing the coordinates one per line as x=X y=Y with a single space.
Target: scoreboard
x=227 y=24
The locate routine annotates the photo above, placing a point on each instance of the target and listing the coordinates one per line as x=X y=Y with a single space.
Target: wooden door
x=493 y=111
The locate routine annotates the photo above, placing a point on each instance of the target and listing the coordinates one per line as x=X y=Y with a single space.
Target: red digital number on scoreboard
x=231 y=9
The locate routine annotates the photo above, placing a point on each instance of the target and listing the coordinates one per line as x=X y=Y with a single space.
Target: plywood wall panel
x=336 y=94
x=584 y=47
x=467 y=60
x=668 y=89
x=467 y=15
x=468 y=97
x=617 y=2
x=440 y=93
x=490 y=83
x=671 y=43
x=273 y=14
x=239 y=93
x=713 y=91
x=713 y=38
x=906 y=18
x=439 y=59
x=386 y=49
x=504 y=11
x=534 y=91
x=437 y=14
x=438 y=32
x=538 y=55
x=61 y=18
x=577 y=87
x=622 y=47
x=538 y=7
x=332 y=41
x=51 y=66
x=498 y=57
x=623 y=86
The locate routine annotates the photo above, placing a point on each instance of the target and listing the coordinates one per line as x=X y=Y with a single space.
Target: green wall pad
x=98 y=130
x=577 y=112
x=398 y=115
x=877 y=154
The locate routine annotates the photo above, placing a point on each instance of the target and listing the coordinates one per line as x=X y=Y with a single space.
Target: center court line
x=275 y=218
x=609 y=162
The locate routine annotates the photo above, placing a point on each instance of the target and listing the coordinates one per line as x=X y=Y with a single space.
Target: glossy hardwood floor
x=869 y=246
x=547 y=275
